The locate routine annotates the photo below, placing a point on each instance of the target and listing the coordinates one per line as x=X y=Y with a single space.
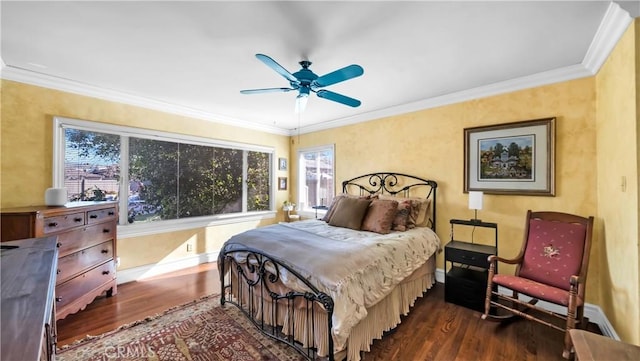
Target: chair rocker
x=551 y=266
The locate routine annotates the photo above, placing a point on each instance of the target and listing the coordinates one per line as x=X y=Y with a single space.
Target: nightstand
x=322 y=208
x=466 y=267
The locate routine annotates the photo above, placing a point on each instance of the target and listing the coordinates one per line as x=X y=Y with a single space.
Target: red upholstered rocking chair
x=551 y=266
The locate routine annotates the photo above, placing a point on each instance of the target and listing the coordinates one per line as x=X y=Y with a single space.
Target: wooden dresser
x=86 y=233
x=27 y=297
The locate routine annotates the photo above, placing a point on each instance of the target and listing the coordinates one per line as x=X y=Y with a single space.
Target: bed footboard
x=252 y=281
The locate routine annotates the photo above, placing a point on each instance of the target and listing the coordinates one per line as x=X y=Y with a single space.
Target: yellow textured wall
x=617 y=138
x=26 y=147
x=429 y=143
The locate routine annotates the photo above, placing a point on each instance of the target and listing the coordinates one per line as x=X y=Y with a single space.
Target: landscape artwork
x=510 y=158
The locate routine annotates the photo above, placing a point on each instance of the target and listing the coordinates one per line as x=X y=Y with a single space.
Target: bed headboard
x=396 y=184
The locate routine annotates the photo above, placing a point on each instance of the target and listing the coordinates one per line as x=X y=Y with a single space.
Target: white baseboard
x=150 y=270
x=593 y=312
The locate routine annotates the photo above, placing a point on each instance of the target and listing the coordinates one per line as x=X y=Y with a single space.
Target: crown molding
x=70 y=86
x=614 y=23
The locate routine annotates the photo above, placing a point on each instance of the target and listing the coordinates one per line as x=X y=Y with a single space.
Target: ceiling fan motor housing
x=305 y=76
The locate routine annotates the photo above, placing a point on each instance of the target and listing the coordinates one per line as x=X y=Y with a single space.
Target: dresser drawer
x=62 y=223
x=467 y=257
x=101 y=215
x=74 y=263
x=77 y=287
x=84 y=237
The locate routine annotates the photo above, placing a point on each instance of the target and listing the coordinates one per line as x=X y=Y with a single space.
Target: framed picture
x=512 y=158
x=282 y=183
x=282 y=163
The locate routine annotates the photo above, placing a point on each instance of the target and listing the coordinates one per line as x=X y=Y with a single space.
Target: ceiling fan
x=306 y=81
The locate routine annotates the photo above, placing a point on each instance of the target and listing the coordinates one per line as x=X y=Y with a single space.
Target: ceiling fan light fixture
x=301 y=102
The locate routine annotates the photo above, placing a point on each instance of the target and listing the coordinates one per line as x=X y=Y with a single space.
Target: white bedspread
x=356 y=268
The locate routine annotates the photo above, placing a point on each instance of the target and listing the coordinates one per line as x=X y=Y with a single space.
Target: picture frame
x=282 y=183
x=515 y=158
x=282 y=163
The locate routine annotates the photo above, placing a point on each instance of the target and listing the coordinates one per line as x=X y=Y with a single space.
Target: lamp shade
x=475 y=200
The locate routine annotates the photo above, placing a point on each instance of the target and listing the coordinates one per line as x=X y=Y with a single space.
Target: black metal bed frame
x=392 y=183
x=260 y=272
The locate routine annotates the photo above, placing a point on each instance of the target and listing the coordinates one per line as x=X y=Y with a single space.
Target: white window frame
x=307 y=211
x=126 y=230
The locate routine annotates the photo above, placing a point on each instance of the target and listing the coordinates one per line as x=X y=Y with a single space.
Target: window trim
x=302 y=177
x=141 y=229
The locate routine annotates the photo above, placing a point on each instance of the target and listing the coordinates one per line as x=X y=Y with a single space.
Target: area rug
x=202 y=330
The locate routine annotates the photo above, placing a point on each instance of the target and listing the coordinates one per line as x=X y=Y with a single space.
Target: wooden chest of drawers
x=86 y=234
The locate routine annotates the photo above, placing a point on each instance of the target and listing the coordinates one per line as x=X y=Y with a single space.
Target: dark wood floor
x=434 y=330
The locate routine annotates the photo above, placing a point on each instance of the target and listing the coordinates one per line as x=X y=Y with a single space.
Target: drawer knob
x=58 y=299
x=93 y=216
x=58 y=244
x=105 y=251
x=58 y=271
x=106 y=272
x=53 y=224
x=106 y=230
x=111 y=213
x=78 y=219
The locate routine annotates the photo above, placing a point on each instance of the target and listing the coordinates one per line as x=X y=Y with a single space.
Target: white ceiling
x=193 y=58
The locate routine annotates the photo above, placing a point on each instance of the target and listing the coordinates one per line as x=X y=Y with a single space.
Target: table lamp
x=475 y=203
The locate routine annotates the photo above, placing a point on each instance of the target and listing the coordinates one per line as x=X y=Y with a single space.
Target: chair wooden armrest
x=494 y=258
x=576 y=280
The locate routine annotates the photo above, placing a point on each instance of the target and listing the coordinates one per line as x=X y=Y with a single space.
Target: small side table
x=590 y=346
x=322 y=208
x=466 y=267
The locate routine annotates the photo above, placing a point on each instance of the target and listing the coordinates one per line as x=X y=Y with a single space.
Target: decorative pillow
x=332 y=207
x=350 y=212
x=402 y=216
x=380 y=216
x=423 y=205
x=336 y=199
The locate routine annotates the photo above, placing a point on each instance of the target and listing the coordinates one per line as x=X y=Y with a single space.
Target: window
x=159 y=176
x=316 y=177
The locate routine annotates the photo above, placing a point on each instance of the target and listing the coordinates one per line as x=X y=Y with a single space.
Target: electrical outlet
x=189 y=247
x=117 y=261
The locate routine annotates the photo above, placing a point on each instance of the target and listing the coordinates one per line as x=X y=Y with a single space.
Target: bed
x=329 y=287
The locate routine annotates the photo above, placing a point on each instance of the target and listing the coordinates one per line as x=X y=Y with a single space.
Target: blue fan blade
x=266 y=90
x=338 y=98
x=346 y=73
x=277 y=67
